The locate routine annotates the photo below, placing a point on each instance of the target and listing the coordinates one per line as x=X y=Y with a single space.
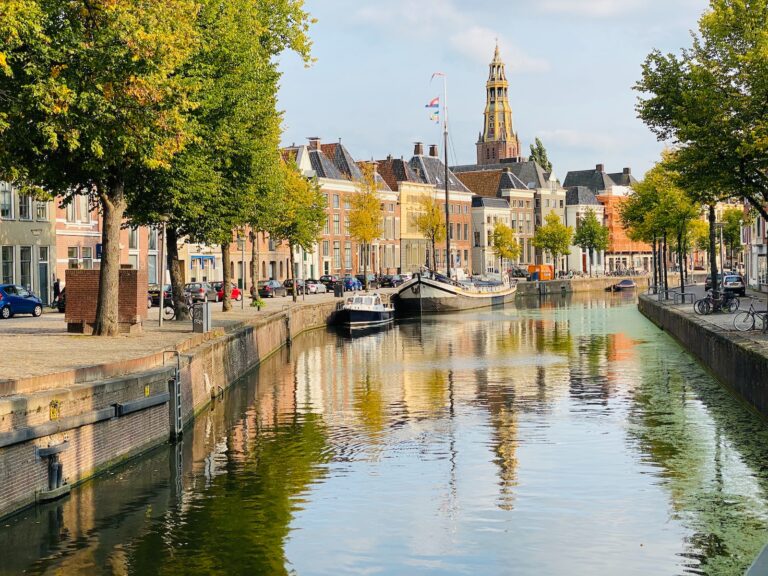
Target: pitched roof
x=580 y=196
x=593 y=179
x=528 y=172
x=623 y=178
x=342 y=159
x=431 y=170
x=394 y=170
x=485 y=202
x=509 y=181
x=485 y=183
x=323 y=167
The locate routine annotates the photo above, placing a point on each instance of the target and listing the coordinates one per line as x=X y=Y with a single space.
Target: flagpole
x=445 y=156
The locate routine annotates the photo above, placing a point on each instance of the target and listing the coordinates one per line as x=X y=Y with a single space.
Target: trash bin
x=338 y=290
x=201 y=317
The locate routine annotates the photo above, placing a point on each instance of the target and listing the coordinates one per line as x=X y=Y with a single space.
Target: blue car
x=352 y=284
x=18 y=300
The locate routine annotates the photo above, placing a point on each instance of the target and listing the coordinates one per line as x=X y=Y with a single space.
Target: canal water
x=568 y=436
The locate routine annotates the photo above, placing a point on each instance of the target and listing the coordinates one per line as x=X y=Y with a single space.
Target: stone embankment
x=738 y=359
x=59 y=429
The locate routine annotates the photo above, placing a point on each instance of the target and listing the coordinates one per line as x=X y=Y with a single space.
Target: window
x=25 y=207
x=327 y=225
x=546 y=203
x=346 y=225
x=487 y=219
x=466 y=256
x=336 y=223
x=25 y=266
x=71 y=210
x=7 y=258
x=326 y=248
x=6 y=200
x=42 y=210
x=337 y=254
x=151 y=268
x=73 y=257
x=450 y=230
x=153 y=239
x=133 y=239
x=133 y=260
x=347 y=255
x=335 y=200
x=87 y=254
x=466 y=231
x=477 y=238
x=561 y=203
x=85 y=208
x=346 y=203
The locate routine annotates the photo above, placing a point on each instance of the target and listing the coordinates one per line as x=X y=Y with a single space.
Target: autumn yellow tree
x=430 y=222
x=365 y=214
x=504 y=244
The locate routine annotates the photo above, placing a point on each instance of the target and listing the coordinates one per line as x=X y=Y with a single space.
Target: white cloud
x=440 y=19
x=590 y=8
x=579 y=139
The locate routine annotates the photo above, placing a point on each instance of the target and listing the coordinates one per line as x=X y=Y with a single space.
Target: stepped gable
x=431 y=170
x=580 y=196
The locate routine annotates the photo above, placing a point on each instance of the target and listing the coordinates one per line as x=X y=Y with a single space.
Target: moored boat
x=424 y=295
x=365 y=310
x=624 y=286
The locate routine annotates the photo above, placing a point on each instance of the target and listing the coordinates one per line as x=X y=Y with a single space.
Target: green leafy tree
x=539 y=155
x=430 y=222
x=505 y=245
x=92 y=98
x=302 y=214
x=553 y=237
x=591 y=236
x=733 y=219
x=365 y=214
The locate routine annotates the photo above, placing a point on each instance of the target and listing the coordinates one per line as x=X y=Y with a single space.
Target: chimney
x=627 y=171
x=600 y=168
x=389 y=157
x=433 y=150
x=314 y=143
x=418 y=149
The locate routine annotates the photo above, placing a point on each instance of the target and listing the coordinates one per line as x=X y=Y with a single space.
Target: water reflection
x=569 y=436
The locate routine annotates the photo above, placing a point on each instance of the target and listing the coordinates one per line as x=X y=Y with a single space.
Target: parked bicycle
x=726 y=302
x=747 y=319
x=169 y=309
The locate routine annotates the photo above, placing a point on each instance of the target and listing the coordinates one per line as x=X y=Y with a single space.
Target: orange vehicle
x=541 y=272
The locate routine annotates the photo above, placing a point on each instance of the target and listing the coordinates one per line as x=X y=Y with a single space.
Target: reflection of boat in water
x=624 y=286
x=423 y=295
x=365 y=311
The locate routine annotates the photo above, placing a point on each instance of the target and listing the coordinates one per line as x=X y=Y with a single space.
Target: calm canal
x=571 y=437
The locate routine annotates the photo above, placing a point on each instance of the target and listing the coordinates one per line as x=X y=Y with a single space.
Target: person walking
x=56 y=291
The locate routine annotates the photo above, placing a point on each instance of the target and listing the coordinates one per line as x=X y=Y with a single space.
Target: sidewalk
x=39 y=346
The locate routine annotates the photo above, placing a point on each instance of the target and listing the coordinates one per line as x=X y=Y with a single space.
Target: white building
x=486 y=214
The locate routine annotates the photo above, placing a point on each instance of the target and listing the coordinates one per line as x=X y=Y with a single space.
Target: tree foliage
x=710 y=101
x=539 y=155
x=553 y=237
x=365 y=214
x=504 y=243
x=430 y=222
x=591 y=236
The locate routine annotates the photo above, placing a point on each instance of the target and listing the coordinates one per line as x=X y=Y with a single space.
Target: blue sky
x=571 y=65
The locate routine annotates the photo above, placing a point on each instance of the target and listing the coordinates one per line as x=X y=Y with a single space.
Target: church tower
x=498 y=139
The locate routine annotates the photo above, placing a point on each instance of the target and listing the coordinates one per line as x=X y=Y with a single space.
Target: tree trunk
x=712 y=246
x=666 y=267
x=680 y=260
x=113 y=206
x=366 y=248
x=177 y=285
x=227 y=279
x=292 y=275
x=434 y=262
x=254 y=265
x=655 y=261
x=590 y=254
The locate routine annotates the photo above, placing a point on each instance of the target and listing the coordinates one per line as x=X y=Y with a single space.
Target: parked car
x=329 y=280
x=201 y=292
x=299 y=286
x=518 y=273
x=16 y=299
x=315 y=287
x=352 y=284
x=391 y=281
x=708 y=281
x=373 y=282
x=154 y=294
x=734 y=284
x=235 y=293
x=406 y=276
x=271 y=289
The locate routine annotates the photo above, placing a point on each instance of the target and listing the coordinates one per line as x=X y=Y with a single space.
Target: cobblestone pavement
x=36 y=346
x=724 y=320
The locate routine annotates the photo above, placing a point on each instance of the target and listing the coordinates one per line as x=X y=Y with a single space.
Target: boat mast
x=445 y=157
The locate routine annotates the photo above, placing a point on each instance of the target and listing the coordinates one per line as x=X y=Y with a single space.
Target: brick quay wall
x=738 y=361
x=56 y=432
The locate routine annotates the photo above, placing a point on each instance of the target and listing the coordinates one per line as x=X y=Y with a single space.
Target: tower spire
x=498 y=139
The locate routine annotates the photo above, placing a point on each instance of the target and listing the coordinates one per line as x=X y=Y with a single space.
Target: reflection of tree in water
x=701 y=467
x=369 y=406
x=505 y=446
x=240 y=522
